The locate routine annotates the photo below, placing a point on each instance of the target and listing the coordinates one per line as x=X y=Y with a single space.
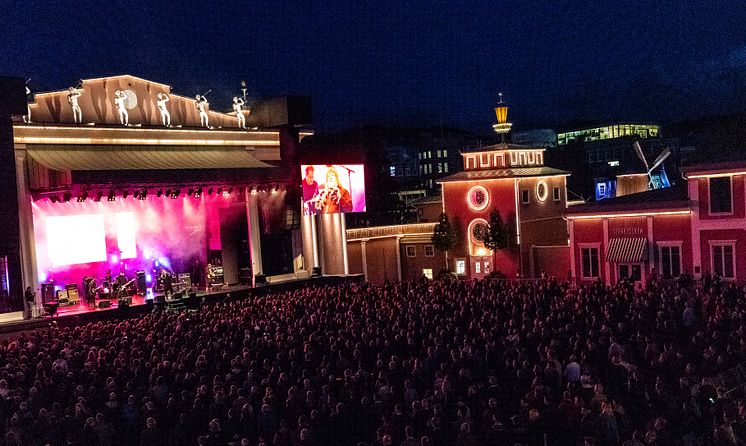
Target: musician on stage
x=167 y=281
x=90 y=293
x=334 y=198
x=310 y=191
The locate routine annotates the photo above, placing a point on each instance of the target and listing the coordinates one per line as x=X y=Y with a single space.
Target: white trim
x=546 y=191
x=630 y=214
x=414 y=250
x=670 y=244
x=432 y=250
x=732 y=243
x=364 y=255
x=695 y=227
x=572 y=250
x=596 y=246
x=651 y=244
x=607 y=264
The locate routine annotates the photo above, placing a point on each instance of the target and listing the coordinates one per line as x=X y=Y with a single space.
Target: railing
x=391 y=231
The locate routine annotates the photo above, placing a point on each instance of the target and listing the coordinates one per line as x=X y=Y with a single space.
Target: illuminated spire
x=501 y=113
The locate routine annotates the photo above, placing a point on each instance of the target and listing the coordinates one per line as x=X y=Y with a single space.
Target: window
x=590 y=262
x=478 y=267
x=427 y=272
x=392 y=171
x=460 y=266
x=445 y=153
x=556 y=193
x=670 y=260
x=429 y=251
x=541 y=190
x=440 y=167
x=720 y=195
x=525 y=196
x=439 y=153
x=723 y=262
x=411 y=251
x=445 y=167
x=429 y=154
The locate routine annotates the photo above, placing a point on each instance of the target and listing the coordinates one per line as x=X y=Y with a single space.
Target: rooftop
x=672 y=198
x=495 y=174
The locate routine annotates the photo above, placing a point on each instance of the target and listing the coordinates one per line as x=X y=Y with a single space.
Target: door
x=632 y=271
x=480 y=267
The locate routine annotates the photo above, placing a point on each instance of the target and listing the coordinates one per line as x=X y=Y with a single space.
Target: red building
x=531 y=199
x=697 y=228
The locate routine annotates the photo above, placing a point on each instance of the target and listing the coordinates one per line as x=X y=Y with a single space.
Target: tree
x=498 y=234
x=444 y=235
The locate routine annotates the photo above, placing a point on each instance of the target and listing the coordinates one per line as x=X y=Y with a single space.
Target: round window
x=541 y=190
x=478 y=198
x=479 y=232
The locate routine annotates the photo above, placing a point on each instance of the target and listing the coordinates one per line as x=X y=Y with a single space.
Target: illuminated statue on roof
x=119 y=99
x=238 y=108
x=27 y=118
x=72 y=98
x=161 y=103
x=200 y=101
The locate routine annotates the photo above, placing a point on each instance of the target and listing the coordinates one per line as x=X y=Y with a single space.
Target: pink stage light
x=114 y=258
x=126 y=234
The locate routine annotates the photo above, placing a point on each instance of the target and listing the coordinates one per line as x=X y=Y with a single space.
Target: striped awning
x=621 y=250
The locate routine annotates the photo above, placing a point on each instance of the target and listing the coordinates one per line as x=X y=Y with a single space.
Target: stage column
x=255 y=243
x=310 y=242
x=333 y=247
x=26 y=219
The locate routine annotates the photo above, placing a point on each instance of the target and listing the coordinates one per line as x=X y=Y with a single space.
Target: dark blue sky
x=406 y=62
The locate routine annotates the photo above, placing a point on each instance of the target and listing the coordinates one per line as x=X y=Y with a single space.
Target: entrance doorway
x=481 y=267
x=632 y=271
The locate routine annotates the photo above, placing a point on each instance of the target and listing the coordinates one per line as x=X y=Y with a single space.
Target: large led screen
x=333 y=189
x=75 y=239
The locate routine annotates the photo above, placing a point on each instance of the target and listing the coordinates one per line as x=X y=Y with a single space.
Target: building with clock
x=531 y=199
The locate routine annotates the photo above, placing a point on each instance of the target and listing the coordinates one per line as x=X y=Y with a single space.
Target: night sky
x=402 y=62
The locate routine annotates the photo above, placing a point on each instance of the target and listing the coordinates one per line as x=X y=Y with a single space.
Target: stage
x=81 y=313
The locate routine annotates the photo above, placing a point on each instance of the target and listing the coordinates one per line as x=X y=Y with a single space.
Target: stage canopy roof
x=113 y=157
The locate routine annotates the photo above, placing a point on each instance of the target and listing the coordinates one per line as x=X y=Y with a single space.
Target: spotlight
x=67 y=196
x=175 y=193
x=220 y=190
x=135 y=194
x=198 y=192
x=275 y=189
x=159 y=193
x=253 y=190
x=83 y=196
x=143 y=194
x=99 y=194
x=112 y=195
x=226 y=193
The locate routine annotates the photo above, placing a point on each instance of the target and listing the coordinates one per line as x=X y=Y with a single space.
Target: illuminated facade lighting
x=631 y=214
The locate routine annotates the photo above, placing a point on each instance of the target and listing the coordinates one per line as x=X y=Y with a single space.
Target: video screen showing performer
x=342 y=189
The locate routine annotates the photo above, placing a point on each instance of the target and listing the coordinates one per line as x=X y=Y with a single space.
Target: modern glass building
x=609 y=132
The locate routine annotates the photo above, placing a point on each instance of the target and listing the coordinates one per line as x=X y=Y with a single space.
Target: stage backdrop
x=74 y=239
x=333 y=188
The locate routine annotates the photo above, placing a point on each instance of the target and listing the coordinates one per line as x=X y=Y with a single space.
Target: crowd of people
x=464 y=363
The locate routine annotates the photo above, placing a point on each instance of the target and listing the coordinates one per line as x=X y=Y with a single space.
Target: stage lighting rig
x=175 y=193
x=198 y=192
x=143 y=194
x=83 y=196
x=112 y=195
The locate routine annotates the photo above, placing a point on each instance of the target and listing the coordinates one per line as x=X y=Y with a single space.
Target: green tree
x=498 y=234
x=444 y=235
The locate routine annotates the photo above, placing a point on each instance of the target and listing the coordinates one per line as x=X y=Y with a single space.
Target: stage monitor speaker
x=178 y=295
x=160 y=298
x=47 y=292
x=104 y=304
x=142 y=286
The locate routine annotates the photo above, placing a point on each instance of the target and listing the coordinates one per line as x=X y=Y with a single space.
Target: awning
x=103 y=158
x=622 y=250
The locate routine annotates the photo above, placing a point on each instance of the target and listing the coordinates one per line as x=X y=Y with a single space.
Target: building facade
x=529 y=196
x=698 y=228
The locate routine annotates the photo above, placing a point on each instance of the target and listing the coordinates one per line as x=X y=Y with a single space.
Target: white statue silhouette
x=201 y=103
x=72 y=98
x=161 y=103
x=119 y=99
x=238 y=108
x=27 y=118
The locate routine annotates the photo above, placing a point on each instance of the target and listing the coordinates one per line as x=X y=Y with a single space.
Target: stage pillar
x=29 y=271
x=255 y=243
x=333 y=244
x=310 y=242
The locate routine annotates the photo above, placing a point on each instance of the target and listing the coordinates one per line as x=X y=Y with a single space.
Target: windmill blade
x=662 y=157
x=638 y=151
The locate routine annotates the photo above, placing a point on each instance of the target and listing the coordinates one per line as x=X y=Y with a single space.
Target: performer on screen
x=310 y=191
x=334 y=198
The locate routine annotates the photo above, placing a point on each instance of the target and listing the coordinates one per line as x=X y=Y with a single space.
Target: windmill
x=659 y=180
